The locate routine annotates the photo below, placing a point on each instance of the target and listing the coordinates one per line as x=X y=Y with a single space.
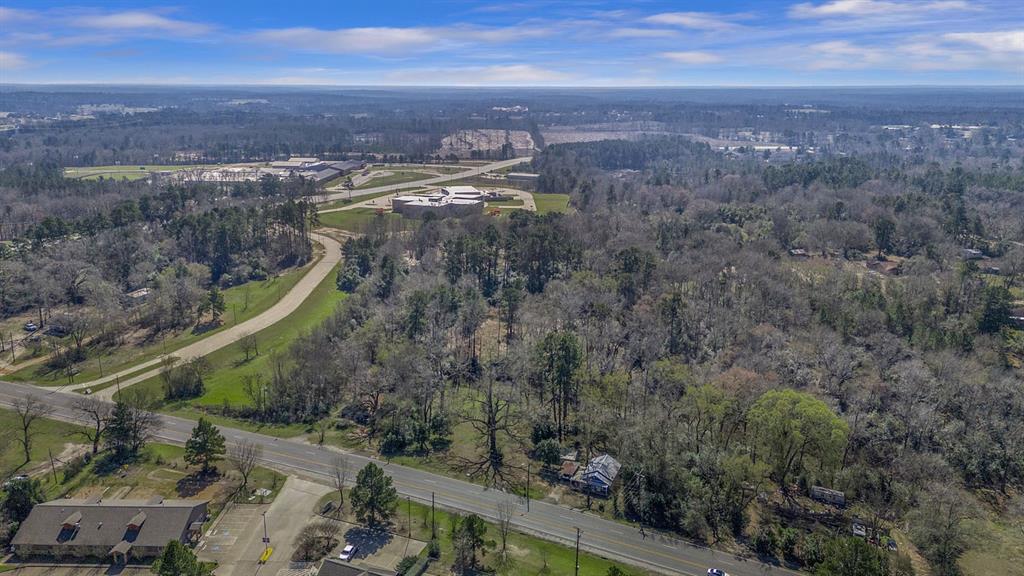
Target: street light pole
x=266 y=538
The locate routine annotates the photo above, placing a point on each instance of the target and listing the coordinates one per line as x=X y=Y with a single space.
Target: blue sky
x=521 y=43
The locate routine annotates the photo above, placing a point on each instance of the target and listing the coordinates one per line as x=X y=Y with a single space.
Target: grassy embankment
x=241 y=302
x=228 y=366
x=529 y=554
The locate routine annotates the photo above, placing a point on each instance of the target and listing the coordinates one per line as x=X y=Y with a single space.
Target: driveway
x=290 y=512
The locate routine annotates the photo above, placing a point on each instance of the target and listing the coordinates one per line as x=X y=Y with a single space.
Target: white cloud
x=11 y=61
x=841 y=54
x=13 y=14
x=629 y=32
x=693 y=20
x=139 y=21
x=516 y=74
x=996 y=41
x=389 y=40
x=692 y=57
x=870 y=8
x=350 y=40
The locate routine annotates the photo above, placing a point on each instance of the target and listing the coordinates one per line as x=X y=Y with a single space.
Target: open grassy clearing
x=52 y=436
x=347 y=202
x=358 y=219
x=228 y=366
x=125 y=172
x=396 y=177
x=551 y=203
x=998 y=547
x=242 y=303
x=529 y=555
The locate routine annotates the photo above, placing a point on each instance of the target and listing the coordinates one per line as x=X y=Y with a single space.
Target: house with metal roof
x=119 y=530
x=599 y=475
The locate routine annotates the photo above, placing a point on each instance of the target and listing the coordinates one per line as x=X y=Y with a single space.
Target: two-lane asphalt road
x=342 y=194
x=550 y=521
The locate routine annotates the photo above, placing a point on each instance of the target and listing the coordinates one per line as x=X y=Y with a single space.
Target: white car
x=348 y=552
x=717 y=572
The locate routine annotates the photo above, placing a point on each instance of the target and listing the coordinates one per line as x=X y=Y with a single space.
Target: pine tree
x=206 y=445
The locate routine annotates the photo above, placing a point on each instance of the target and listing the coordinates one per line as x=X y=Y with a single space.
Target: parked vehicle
x=348 y=552
x=31 y=327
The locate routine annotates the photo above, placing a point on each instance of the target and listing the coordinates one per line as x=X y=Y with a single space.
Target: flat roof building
x=117 y=529
x=451 y=201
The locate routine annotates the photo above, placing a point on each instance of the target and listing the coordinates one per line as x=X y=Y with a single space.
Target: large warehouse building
x=452 y=201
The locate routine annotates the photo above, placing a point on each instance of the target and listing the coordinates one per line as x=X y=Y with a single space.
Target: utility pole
x=408 y=504
x=578 y=532
x=266 y=537
x=433 y=523
x=52 y=467
x=527 y=485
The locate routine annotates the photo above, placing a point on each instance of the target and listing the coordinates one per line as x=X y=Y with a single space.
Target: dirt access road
x=285 y=306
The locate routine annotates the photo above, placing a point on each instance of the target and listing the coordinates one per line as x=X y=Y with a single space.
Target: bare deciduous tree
x=256 y=391
x=245 y=456
x=250 y=346
x=29 y=409
x=506 y=511
x=340 y=470
x=98 y=413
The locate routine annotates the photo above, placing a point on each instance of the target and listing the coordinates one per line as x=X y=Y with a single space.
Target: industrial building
x=452 y=201
x=295 y=167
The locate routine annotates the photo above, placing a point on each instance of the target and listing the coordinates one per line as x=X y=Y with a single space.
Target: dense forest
x=734 y=327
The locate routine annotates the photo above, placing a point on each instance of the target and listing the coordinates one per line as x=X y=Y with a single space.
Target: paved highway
x=655 y=551
x=339 y=193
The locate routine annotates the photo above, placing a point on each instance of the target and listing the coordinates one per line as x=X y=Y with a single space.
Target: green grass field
x=396 y=177
x=505 y=203
x=242 y=302
x=124 y=172
x=355 y=220
x=551 y=203
x=346 y=201
x=228 y=366
x=50 y=438
x=998 y=547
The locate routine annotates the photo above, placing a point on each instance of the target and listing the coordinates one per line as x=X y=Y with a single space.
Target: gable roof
x=602 y=469
x=108 y=523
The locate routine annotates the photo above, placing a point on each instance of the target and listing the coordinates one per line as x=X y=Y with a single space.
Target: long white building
x=451 y=201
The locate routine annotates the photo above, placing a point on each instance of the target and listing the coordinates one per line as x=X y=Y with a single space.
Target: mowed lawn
x=124 y=172
x=396 y=177
x=551 y=202
x=50 y=437
x=357 y=219
x=241 y=303
x=228 y=366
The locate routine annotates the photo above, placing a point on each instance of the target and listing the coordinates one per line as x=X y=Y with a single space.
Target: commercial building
x=452 y=201
x=119 y=530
